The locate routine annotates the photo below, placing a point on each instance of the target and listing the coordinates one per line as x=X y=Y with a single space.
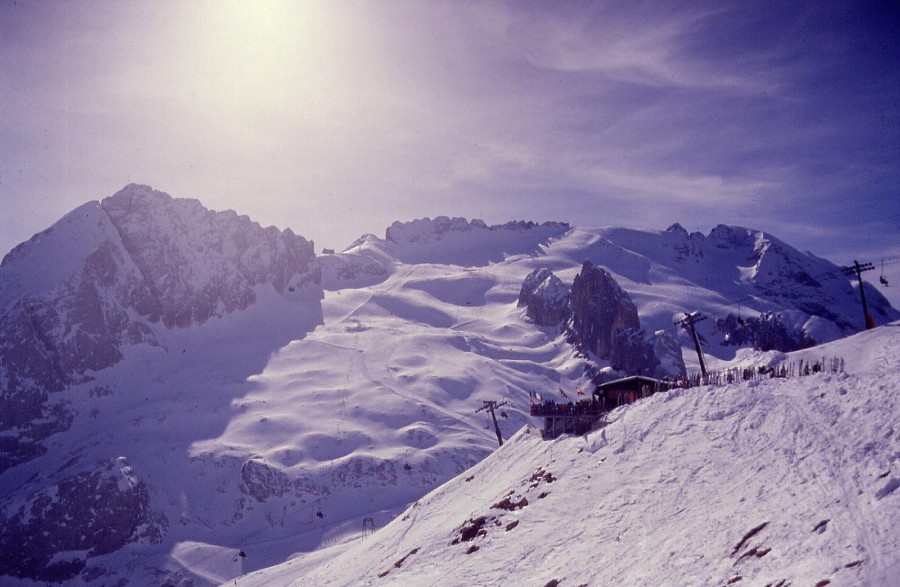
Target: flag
x=531 y=397
x=538 y=397
x=578 y=389
x=563 y=393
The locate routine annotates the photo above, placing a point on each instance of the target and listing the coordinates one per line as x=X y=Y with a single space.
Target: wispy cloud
x=336 y=118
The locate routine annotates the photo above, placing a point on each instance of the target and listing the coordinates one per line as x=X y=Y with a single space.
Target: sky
x=337 y=118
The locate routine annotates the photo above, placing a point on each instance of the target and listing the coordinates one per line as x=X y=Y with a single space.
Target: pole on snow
x=857 y=269
x=491 y=405
x=688 y=324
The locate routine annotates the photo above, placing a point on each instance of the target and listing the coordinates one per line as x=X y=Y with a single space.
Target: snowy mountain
x=180 y=385
x=74 y=295
x=776 y=482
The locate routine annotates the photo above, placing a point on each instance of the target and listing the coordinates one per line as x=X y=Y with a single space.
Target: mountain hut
x=613 y=394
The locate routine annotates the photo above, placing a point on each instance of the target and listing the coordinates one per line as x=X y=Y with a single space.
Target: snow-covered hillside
x=781 y=482
x=251 y=397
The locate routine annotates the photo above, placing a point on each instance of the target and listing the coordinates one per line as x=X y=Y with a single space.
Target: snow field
x=789 y=480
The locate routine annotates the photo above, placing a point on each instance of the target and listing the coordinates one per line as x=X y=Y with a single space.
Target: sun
x=262 y=55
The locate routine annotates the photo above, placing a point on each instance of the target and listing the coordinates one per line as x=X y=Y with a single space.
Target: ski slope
x=785 y=481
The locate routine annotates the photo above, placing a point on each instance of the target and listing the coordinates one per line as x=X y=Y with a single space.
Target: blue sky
x=336 y=118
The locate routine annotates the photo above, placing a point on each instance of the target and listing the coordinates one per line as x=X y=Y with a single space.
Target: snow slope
x=278 y=428
x=786 y=481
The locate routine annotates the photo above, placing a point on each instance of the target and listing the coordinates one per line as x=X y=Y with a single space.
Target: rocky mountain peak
x=459 y=241
x=105 y=275
x=198 y=263
x=600 y=318
x=600 y=309
x=677 y=229
x=545 y=297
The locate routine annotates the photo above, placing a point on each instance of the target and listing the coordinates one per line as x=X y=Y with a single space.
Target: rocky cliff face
x=600 y=310
x=637 y=352
x=107 y=275
x=545 y=298
x=197 y=263
x=602 y=319
x=52 y=533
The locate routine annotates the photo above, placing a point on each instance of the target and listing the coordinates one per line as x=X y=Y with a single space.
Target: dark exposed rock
x=351 y=270
x=50 y=535
x=600 y=310
x=601 y=319
x=766 y=332
x=263 y=482
x=508 y=504
x=472 y=529
x=636 y=352
x=545 y=298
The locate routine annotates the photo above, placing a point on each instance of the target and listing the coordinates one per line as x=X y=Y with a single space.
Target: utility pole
x=368 y=526
x=857 y=269
x=688 y=324
x=492 y=405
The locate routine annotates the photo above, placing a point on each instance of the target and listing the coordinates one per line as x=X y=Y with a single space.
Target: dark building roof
x=634 y=382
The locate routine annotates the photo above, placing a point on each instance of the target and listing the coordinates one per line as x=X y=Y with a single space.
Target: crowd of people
x=585 y=407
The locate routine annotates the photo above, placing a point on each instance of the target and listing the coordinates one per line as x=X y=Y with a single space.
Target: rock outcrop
x=426 y=230
x=50 y=535
x=766 y=332
x=263 y=481
x=637 y=352
x=601 y=319
x=600 y=310
x=545 y=298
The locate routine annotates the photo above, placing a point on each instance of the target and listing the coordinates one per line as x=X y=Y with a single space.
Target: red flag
x=563 y=393
x=578 y=389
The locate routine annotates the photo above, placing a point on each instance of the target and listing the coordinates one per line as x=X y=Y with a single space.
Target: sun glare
x=261 y=55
